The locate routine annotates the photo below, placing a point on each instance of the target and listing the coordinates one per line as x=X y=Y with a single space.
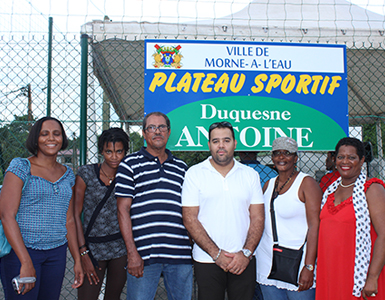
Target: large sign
x=265 y=90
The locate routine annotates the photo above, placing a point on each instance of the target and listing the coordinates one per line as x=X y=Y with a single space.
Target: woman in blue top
x=37 y=215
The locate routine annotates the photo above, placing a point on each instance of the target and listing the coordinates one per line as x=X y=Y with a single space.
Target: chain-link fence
x=115 y=98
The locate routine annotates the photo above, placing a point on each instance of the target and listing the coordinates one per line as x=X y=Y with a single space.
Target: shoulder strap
x=99 y=208
x=97 y=170
x=272 y=217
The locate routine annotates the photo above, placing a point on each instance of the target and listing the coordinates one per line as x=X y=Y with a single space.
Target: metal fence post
x=49 y=74
x=83 y=98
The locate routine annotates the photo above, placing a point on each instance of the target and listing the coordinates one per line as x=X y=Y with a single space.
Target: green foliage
x=73 y=142
x=370 y=135
x=12 y=141
x=192 y=157
x=136 y=142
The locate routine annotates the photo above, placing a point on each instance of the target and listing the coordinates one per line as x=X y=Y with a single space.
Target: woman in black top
x=101 y=244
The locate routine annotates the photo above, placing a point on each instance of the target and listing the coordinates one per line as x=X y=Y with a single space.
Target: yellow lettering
x=233 y=84
x=259 y=85
x=198 y=78
x=317 y=79
x=324 y=85
x=288 y=84
x=304 y=81
x=207 y=82
x=169 y=88
x=334 y=84
x=222 y=84
x=158 y=80
x=185 y=83
x=275 y=81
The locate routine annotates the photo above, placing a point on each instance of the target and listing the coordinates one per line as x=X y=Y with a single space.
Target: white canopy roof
x=323 y=21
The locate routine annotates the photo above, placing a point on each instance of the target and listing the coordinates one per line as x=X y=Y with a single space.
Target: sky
x=18 y=16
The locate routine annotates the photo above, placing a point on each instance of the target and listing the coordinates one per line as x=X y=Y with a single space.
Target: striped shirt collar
x=146 y=154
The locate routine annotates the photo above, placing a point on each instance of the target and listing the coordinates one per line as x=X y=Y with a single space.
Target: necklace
x=110 y=178
x=346 y=186
x=275 y=192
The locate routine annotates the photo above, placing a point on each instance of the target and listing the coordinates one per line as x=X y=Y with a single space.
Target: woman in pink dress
x=351 y=246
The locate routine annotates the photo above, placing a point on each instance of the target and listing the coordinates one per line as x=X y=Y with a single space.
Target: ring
x=92 y=274
x=373 y=295
x=300 y=283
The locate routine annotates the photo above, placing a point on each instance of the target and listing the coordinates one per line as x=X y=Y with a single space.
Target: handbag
x=99 y=239
x=286 y=261
x=5 y=247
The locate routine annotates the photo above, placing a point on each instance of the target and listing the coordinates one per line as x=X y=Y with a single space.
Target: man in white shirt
x=223 y=211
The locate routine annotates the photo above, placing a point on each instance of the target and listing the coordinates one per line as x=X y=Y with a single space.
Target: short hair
x=113 y=135
x=356 y=143
x=155 y=113
x=34 y=133
x=223 y=124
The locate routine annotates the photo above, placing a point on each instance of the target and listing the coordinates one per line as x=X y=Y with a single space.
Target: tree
x=136 y=142
x=12 y=141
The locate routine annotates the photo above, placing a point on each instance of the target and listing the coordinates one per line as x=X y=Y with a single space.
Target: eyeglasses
x=285 y=153
x=153 y=128
x=220 y=125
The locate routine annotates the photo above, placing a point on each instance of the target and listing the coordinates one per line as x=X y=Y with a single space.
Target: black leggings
x=115 y=280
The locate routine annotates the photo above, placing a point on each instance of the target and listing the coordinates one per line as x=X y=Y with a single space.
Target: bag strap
x=274 y=195
x=100 y=205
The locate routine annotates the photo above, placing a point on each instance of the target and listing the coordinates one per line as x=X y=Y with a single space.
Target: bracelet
x=219 y=253
x=82 y=246
x=84 y=253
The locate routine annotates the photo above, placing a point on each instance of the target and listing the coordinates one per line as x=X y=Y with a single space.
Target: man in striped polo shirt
x=148 y=190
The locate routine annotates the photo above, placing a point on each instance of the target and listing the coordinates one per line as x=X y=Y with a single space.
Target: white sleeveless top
x=290 y=215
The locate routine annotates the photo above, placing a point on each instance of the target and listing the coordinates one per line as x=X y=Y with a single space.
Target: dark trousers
x=49 y=266
x=115 y=280
x=213 y=282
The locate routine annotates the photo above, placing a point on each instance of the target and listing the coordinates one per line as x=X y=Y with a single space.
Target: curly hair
x=113 y=135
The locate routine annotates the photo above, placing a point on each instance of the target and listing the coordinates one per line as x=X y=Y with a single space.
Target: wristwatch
x=247 y=253
x=309 y=267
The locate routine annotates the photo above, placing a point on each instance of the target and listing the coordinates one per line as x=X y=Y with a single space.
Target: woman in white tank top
x=297 y=207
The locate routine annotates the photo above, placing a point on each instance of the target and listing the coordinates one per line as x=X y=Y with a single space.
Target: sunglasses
x=285 y=153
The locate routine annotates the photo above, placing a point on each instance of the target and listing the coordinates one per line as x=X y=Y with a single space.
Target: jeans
x=257 y=292
x=273 y=293
x=49 y=266
x=178 y=280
